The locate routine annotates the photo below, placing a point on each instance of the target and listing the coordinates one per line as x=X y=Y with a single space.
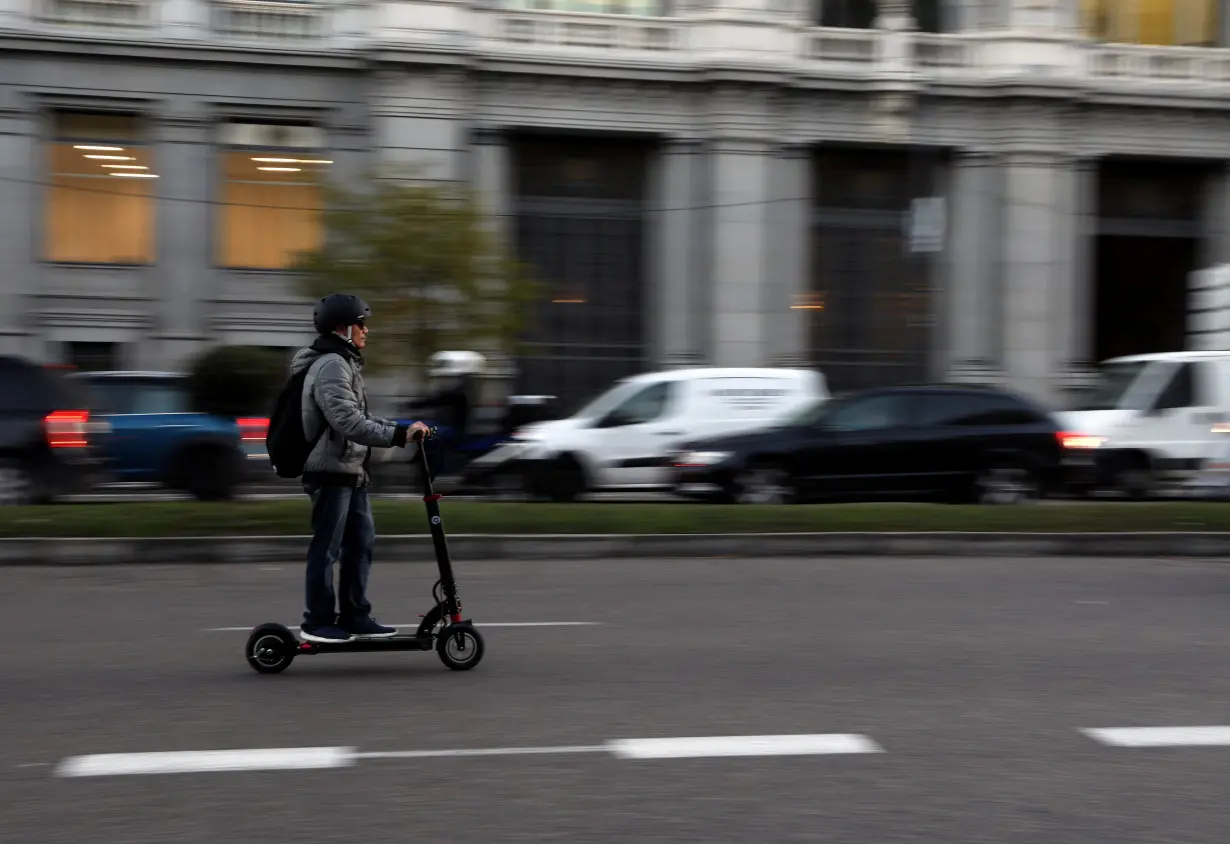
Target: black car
x=950 y=443
x=47 y=434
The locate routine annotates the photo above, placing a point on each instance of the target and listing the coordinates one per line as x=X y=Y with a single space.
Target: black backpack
x=286 y=442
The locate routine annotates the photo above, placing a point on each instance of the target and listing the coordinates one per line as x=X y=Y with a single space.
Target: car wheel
x=1007 y=483
x=565 y=480
x=763 y=483
x=1135 y=478
x=210 y=474
x=17 y=484
x=508 y=485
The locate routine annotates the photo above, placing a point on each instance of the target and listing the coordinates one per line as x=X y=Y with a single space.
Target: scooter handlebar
x=419 y=434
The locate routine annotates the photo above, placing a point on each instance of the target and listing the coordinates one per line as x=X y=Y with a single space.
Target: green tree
x=426 y=260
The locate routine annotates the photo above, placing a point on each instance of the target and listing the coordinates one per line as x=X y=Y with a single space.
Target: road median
x=276 y=531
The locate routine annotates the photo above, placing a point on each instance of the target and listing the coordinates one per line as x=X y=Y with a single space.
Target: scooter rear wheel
x=271 y=649
x=460 y=647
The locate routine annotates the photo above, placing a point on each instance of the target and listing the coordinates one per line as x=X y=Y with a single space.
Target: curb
x=418 y=549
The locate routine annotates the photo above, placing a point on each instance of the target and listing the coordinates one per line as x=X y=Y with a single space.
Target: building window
x=1181 y=23
x=92 y=357
x=642 y=8
x=861 y=14
x=272 y=195
x=100 y=197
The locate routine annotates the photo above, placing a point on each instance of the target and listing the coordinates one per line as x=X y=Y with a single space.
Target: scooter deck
x=408 y=642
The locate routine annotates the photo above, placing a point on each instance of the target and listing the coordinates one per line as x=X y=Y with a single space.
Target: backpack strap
x=309 y=387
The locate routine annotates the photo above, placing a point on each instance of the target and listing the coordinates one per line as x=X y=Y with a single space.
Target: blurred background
x=544 y=198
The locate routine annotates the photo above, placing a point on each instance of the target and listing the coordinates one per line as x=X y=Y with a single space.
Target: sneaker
x=325 y=633
x=368 y=628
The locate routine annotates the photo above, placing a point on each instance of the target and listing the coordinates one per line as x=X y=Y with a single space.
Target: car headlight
x=701 y=458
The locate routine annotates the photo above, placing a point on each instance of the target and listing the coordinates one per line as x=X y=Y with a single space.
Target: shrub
x=236 y=380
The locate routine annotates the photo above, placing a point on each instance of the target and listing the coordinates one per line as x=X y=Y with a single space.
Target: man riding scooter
x=455 y=376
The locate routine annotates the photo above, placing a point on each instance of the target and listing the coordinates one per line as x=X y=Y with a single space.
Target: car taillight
x=67 y=428
x=1071 y=440
x=253 y=430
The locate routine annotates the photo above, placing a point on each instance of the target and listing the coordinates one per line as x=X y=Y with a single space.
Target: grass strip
x=291 y=517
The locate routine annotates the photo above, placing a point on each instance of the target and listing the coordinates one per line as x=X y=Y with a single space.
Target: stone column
x=419 y=125
x=740 y=248
x=490 y=174
x=1208 y=306
x=489 y=171
x=19 y=248
x=180 y=281
x=1075 y=359
x=674 y=254
x=349 y=147
x=789 y=259
x=1215 y=242
x=969 y=297
x=1041 y=283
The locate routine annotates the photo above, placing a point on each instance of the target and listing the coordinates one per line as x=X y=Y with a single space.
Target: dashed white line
x=302 y=758
x=1161 y=736
x=709 y=746
x=413 y=625
x=483 y=751
x=200 y=761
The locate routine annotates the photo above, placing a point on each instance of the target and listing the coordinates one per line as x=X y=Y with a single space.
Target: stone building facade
x=896 y=191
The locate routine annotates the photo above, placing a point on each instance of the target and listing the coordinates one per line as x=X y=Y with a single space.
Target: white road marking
x=197 y=761
x=796 y=745
x=484 y=751
x=1161 y=736
x=302 y=758
x=415 y=624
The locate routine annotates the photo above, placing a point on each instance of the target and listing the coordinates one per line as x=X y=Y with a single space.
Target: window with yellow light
x=271 y=207
x=100 y=195
x=1175 y=23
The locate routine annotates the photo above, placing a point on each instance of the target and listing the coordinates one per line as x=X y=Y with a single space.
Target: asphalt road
x=970 y=680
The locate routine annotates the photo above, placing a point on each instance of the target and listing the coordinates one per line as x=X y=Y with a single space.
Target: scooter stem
x=452 y=603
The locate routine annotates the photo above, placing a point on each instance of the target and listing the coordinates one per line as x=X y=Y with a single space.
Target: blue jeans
x=343 y=532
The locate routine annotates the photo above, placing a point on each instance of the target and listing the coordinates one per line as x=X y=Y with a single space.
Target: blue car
x=152 y=436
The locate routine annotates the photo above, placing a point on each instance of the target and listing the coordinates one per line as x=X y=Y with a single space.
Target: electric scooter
x=272 y=647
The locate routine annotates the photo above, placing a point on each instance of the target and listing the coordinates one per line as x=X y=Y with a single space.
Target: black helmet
x=337 y=310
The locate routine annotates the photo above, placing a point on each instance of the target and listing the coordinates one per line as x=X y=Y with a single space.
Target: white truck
x=1155 y=420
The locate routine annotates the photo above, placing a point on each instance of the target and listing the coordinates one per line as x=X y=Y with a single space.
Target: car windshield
x=606 y=400
x=810 y=413
x=137 y=395
x=1112 y=384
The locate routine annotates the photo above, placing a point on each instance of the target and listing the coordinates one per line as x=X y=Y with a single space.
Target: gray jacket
x=334 y=395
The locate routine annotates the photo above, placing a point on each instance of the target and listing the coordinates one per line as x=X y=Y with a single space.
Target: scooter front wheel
x=271 y=649
x=460 y=647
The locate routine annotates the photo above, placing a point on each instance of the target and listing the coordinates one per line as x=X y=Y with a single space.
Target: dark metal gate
x=580 y=224
x=1149 y=228
x=871 y=305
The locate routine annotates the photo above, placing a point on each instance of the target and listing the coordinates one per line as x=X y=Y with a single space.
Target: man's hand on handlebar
x=419 y=432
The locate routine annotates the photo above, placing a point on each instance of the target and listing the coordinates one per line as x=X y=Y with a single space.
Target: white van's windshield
x=1113 y=382
x=606 y=400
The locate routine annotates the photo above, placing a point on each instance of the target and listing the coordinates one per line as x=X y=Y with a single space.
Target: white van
x=621 y=439
x=1154 y=419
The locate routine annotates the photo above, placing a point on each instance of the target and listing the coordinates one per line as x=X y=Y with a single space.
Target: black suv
x=950 y=443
